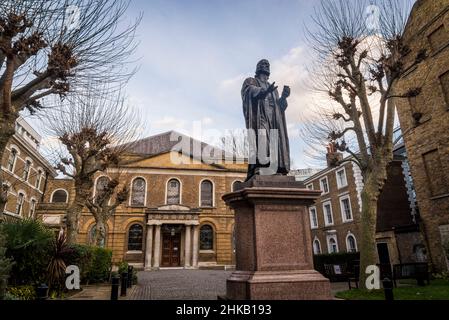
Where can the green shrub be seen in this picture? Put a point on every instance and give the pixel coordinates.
(5, 266)
(28, 244)
(122, 267)
(23, 292)
(81, 256)
(101, 265)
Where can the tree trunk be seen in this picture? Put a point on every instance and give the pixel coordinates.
(100, 233)
(73, 216)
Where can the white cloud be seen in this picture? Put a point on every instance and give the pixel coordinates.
(169, 123)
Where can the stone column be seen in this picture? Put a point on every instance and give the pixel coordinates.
(157, 247)
(195, 246)
(274, 259)
(188, 246)
(149, 248)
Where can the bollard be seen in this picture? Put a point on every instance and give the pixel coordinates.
(388, 289)
(124, 284)
(130, 276)
(42, 292)
(114, 287)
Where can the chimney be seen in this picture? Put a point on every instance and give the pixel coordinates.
(333, 157)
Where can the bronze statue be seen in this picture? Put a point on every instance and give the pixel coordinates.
(264, 110)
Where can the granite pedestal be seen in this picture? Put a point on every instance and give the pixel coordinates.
(274, 259)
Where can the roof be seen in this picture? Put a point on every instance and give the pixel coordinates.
(174, 141)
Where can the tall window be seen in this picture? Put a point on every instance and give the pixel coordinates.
(138, 192)
(173, 192)
(341, 178)
(345, 206)
(59, 196)
(333, 247)
(324, 185)
(12, 160)
(351, 244)
(316, 246)
(328, 218)
(20, 201)
(102, 184)
(32, 208)
(135, 238)
(26, 170)
(313, 218)
(206, 194)
(39, 179)
(206, 238)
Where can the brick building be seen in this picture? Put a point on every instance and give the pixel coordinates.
(175, 216)
(425, 120)
(25, 171)
(336, 216)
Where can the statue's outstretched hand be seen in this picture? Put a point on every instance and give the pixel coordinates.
(286, 92)
(272, 88)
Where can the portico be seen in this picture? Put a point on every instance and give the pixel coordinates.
(172, 237)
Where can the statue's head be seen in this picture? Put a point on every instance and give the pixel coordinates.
(263, 67)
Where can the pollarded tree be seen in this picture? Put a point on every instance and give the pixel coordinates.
(53, 47)
(101, 205)
(96, 129)
(359, 52)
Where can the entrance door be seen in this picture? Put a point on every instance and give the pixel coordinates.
(171, 250)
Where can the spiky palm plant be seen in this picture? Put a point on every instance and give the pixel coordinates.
(57, 266)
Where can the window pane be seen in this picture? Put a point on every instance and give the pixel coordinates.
(206, 238)
(135, 238)
(206, 194)
(173, 192)
(138, 192)
(59, 196)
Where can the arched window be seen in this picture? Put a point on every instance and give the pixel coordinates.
(26, 170)
(135, 238)
(207, 197)
(316, 246)
(173, 192)
(333, 248)
(39, 179)
(139, 188)
(102, 184)
(206, 238)
(351, 244)
(20, 201)
(12, 160)
(59, 196)
(33, 204)
(234, 185)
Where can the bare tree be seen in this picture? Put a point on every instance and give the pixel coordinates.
(53, 47)
(103, 204)
(96, 129)
(359, 52)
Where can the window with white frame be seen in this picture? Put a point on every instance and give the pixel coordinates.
(316, 246)
(332, 245)
(39, 179)
(19, 205)
(328, 217)
(12, 160)
(351, 243)
(324, 185)
(310, 186)
(346, 211)
(313, 218)
(342, 181)
(32, 208)
(26, 170)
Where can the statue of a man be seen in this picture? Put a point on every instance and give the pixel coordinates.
(264, 110)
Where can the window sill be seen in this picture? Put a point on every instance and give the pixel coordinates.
(134, 252)
(207, 251)
(348, 221)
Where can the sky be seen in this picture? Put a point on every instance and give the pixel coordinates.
(194, 56)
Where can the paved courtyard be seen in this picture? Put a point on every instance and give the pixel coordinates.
(173, 285)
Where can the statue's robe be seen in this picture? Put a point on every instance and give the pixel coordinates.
(263, 115)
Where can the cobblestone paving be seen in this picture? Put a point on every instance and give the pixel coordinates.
(181, 285)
